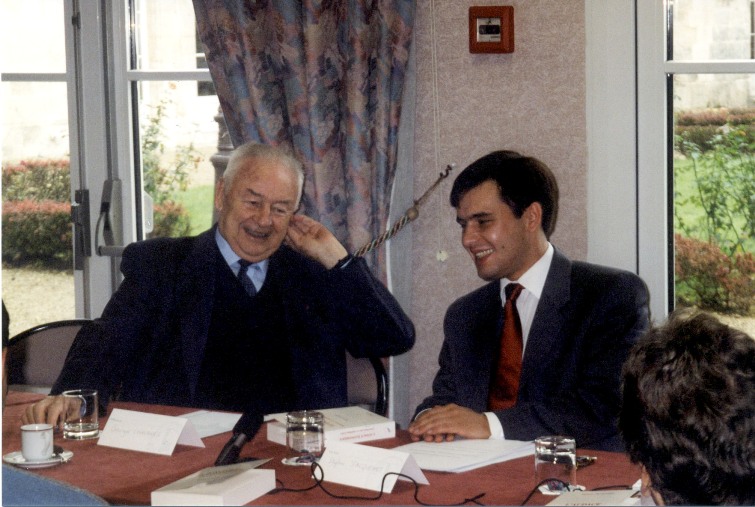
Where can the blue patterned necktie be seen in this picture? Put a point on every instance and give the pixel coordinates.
(246, 282)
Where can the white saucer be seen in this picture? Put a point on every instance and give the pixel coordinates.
(17, 459)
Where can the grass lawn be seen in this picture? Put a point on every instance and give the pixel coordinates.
(693, 215)
(198, 201)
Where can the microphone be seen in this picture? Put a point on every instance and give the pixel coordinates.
(243, 431)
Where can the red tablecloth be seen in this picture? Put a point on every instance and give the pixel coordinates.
(128, 477)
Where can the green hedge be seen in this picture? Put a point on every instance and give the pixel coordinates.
(37, 226)
(702, 126)
(37, 180)
(37, 232)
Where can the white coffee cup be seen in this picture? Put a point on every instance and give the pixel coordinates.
(36, 442)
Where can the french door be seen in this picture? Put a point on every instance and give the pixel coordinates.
(118, 89)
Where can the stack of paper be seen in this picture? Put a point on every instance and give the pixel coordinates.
(347, 424)
(461, 455)
(603, 497)
(224, 485)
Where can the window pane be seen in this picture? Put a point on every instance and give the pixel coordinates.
(32, 36)
(712, 29)
(179, 134)
(164, 35)
(37, 276)
(714, 184)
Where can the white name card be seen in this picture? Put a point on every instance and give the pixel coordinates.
(363, 466)
(153, 433)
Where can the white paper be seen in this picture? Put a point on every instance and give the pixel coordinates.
(462, 455)
(208, 423)
(153, 433)
(341, 417)
(365, 467)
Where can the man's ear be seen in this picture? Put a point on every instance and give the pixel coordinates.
(647, 487)
(219, 195)
(533, 216)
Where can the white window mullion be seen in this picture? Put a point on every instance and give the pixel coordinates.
(652, 163)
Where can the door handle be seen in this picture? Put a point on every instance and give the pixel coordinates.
(82, 246)
(109, 231)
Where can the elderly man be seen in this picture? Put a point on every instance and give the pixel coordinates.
(260, 309)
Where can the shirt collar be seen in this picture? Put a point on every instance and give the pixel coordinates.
(533, 280)
(231, 257)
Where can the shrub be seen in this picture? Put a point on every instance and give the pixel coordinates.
(700, 127)
(160, 181)
(36, 218)
(712, 280)
(37, 232)
(38, 180)
(724, 190)
(171, 219)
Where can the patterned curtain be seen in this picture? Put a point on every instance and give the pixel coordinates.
(324, 78)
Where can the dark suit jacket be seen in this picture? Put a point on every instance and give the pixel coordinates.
(586, 321)
(149, 343)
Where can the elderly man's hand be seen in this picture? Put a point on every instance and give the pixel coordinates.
(50, 410)
(309, 237)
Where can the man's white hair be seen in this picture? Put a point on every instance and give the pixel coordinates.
(252, 150)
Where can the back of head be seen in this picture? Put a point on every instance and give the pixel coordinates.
(688, 412)
(521, 181)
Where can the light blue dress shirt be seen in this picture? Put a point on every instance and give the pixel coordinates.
(256, 272)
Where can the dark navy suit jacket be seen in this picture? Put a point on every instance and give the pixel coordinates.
(587, 319)
(148, 345)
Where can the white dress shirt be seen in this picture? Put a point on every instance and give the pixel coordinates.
(533, 281)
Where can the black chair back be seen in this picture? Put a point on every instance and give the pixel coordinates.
(36, 356)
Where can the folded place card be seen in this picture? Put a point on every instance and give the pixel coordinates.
(209, 422)
(153, 433)
(366, 467)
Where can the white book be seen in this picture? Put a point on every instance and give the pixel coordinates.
(347, 424)
(604, 497)
(223, 485)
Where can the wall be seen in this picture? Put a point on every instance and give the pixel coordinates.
(532, 101)
(707, 31)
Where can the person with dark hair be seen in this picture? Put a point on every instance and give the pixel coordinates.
(259, 311)
(539, 349)
(688, 412)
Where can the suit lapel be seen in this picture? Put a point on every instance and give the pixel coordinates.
(195, 291)
(486, 339)
(549, 319)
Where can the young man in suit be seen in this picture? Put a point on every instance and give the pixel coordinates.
(259, 311)
(568, 329)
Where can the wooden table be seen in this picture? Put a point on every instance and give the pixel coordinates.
(128, 477)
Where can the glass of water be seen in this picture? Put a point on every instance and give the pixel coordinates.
(556, 458)
(304, 437)
(81, 420)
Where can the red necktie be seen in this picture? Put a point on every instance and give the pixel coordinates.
(505, 382)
